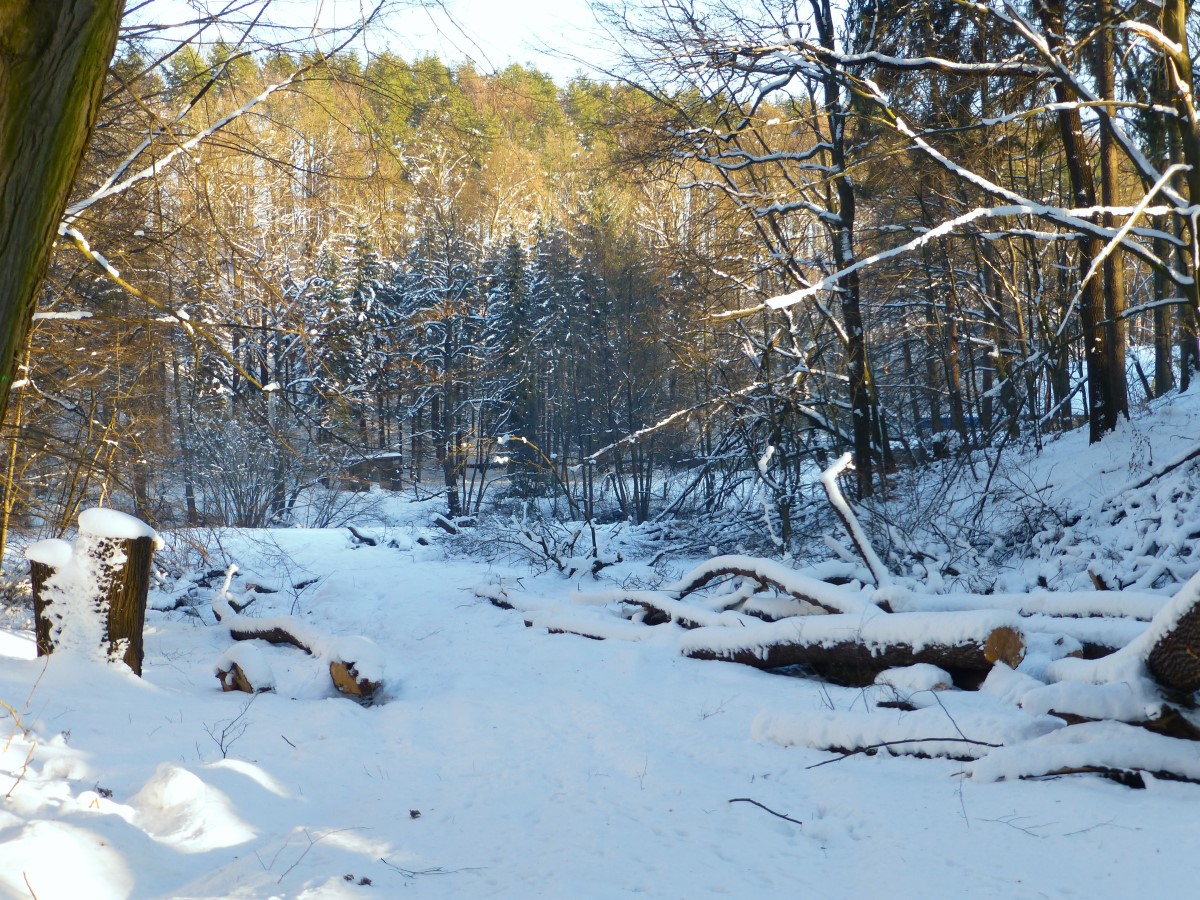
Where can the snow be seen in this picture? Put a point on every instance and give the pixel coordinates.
(252, 660)
(911, 679)
(53, 552)
(112, 523)
(503, 760)
(1105, 744)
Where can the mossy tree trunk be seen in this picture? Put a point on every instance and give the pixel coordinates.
(53, 60)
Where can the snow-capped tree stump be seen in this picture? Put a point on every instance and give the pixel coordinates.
(124, 567)
(92, 594)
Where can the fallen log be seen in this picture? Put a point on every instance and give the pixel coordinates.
(348, 680)
(1174, 659)
(249, 630)
(766, 572)
(1128, 605)
(360, 538)
(354, 666)
(852, 650)
(234, 679)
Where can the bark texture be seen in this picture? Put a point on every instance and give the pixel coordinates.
(853, 662)
(53, 61)
(42, 623)
(1175, 660)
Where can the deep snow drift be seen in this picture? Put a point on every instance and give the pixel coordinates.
(504, 761)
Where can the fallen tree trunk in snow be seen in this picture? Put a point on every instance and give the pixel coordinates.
(1174, 659)
(853, 651)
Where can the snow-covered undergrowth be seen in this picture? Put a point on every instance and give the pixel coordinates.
(507, 761)
(1124, 510)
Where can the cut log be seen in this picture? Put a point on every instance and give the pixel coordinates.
(347, 680)
(245, 668)
(852, 651)
(234, 679)
(1174, 660)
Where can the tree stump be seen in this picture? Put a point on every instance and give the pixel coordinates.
(42, 623)
(121, 590)
(104, 577)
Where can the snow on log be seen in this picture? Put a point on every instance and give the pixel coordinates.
(970, 734)
(598, 627)
(915, 678)
(1108, 748)
(829, 597)
(658, 608)
(244, 668)
(1132, 605)
(1097, 637)
(856, 648)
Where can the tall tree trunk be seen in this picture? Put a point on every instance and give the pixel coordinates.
(1083, 194)
(862, 400)
(53, 60)
(1187, 144)
(1104, 59)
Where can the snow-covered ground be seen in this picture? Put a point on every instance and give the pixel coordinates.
(506, 761)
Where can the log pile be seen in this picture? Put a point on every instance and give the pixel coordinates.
(1098, 682)
(353, 668)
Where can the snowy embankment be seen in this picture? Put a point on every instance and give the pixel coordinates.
(507, 761)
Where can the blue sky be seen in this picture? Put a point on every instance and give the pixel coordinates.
(550, 34)
(497, 32)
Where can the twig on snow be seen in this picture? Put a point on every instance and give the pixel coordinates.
(871, 748)
(766, 808)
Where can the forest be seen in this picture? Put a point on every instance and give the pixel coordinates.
(852, 342)
(918, 233)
